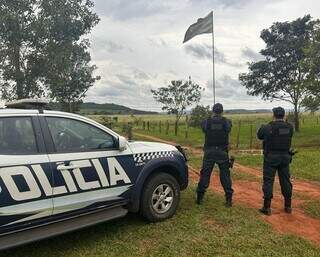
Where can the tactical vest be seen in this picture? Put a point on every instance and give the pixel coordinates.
(280, 137)
(216, 133)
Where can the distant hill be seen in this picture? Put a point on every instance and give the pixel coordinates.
(245, 111)
(115, 109)
(93, 108)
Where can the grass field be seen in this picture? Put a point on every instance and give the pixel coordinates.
(312, 207)
(208, 230)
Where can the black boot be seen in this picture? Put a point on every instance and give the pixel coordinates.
(199, 198)
(228, 203)
(287, 206)
(266, 209)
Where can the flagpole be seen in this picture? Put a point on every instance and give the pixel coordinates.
(213, 71)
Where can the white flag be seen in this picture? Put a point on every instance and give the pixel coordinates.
(202, 26)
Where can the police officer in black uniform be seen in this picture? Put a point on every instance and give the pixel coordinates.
(217, 130)
(276, 138)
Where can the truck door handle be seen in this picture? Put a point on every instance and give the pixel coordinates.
(72, 167)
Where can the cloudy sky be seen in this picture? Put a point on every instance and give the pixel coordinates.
(137, 47)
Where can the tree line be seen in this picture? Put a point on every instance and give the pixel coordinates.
(44, 51)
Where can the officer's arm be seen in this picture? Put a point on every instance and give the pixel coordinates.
(262, 132)
(204, 126)
(292, 129)
(229, 126)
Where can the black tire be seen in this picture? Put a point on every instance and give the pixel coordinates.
(147, 202)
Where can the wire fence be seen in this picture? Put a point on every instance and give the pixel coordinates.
(242, 136)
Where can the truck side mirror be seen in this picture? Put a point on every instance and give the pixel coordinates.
(122, 143)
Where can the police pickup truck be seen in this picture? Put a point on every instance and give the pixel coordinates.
(60, 172)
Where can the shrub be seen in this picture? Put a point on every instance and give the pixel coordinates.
(198, 114)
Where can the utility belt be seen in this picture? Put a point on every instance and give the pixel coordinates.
(217, 148)
(277, 152)
(231, 159)
(290, 152)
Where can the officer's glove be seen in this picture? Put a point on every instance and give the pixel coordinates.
(231, 161)
(293, 152)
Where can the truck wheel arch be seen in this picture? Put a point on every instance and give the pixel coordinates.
(164, 165)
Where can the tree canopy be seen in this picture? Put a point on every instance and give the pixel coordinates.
(280, 75)
(69, 73)
(44, 50)
(312, 81)
(19, 62)
(177, 96)
(198, 114)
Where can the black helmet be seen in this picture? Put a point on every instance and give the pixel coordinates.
(278, 112)
(217, 108)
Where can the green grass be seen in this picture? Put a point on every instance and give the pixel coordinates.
(254, 161)
(208, 230)
(312, 207)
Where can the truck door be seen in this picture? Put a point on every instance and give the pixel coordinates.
(89, 171)
(25, 174)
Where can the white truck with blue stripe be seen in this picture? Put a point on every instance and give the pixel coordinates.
(61, 172)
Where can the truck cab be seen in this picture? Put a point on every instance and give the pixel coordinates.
(60, 172)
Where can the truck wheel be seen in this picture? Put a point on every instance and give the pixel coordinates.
(160, 197)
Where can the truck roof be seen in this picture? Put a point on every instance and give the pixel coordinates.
(13, 111)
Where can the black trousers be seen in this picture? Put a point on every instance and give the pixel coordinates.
(210, 158)
(272, 164)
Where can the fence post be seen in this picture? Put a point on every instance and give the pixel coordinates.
(176, 128)
(148, 125)
(251, 135)
(167, 127)
(187, 131)
(160, 126)
(238, 135)
(130, 131)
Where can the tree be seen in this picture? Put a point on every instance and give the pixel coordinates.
(312, 81)
(44, 50)
(20, 66)
(69, 73)
(177, 96)
(280, 76)
(198, 114)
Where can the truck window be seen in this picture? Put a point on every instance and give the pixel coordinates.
(76, 136)
(17, 136)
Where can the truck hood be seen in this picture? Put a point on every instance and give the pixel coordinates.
(145, 147)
